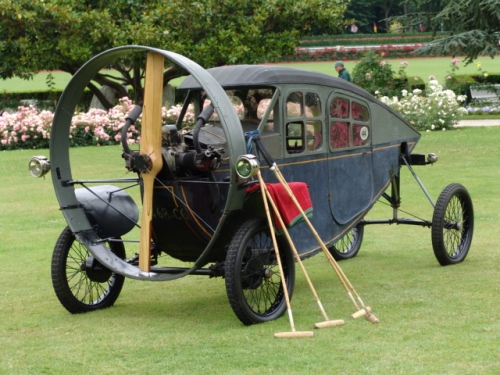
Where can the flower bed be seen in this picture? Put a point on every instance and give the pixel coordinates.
(352, 53)
(29, 128)
(485, 110)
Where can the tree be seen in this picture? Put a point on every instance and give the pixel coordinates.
(366, 12)
(64, 34)
(474, 27)
(417, 13)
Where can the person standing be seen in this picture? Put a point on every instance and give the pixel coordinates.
(342, 71)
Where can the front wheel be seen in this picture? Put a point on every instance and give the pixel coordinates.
(452, 225)
(349, 244)
(254, 283)
(81, 283)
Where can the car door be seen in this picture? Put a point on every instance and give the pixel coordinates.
(350, 165)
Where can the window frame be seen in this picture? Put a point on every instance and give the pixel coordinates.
(352, 123)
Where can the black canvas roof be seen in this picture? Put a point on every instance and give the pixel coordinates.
(233, 76)
(265, 75)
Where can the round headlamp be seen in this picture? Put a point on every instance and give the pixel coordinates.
(39, 166)
(247, 166)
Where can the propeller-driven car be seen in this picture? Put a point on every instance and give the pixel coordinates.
(201, 212)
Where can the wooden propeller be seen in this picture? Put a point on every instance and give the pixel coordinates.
(150, 149)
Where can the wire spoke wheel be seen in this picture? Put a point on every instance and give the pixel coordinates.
(254, 283)
(452, 225)
(349, 244)
(81, 283)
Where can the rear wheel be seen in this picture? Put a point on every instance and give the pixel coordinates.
(81, 283)
(348, 245)
(254, 283)
(452, 225)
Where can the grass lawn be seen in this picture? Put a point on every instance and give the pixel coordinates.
(438, 67)
(434, 320)
(422, 67)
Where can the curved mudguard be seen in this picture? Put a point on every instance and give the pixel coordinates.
(109, 209)
(62, 179)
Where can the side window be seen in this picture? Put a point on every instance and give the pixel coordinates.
(339, 134)
(294, 105)
(261, 110)
(304, 130)
(237, 104)
(349, 123)
(360, 131)
(314, 134)
(339, 108)
(295, 137)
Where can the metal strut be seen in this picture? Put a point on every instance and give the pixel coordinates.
(419, 182)
(395, 201)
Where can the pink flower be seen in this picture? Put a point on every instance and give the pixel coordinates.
(4, 142)
(416, 78)
(382, 63)
(455, 62)
(24, 137)
(432, 78)
(404, 63)
(368, 75)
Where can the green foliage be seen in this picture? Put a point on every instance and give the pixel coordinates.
(460, 83)
(64, 34)
(474, 27)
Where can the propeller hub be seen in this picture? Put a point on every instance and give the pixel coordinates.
(142, 163)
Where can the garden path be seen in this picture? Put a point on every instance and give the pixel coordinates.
(485, 122)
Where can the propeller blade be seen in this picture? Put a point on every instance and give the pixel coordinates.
(150, 149)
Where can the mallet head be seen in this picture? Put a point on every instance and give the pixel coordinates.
(329, 323)
(294, 335)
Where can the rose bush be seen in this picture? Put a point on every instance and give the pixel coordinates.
(29, 128)
(438, 109)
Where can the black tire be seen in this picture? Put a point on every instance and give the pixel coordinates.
(81, 283)
(348, 245)
(452, 225)
(253, 279)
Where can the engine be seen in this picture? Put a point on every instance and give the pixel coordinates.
(181, 154)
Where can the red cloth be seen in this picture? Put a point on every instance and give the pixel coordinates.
(286, 207)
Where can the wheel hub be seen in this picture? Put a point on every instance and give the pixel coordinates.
(95, 270)
(457, 225)
(268, 273)
(252, 274)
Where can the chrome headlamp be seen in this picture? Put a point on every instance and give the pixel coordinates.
(38, 166)
(247, 166)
